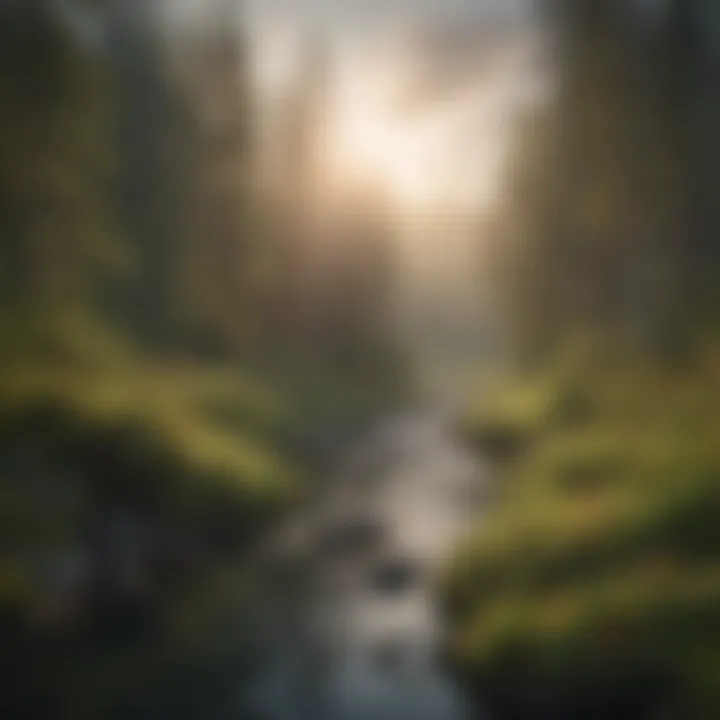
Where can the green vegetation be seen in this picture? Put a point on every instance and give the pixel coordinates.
(595, 586)
(169, 379)
(593, 590)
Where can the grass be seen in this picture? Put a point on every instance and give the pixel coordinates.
(603, 561)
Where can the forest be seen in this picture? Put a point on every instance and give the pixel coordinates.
(169, 364)
(593, 590)
(194, 321)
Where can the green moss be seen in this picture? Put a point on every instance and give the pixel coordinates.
(603, 561)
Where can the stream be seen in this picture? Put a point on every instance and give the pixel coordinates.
(353, 630)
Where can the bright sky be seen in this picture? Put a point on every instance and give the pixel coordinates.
(352, 16)
(446, 153)
(451, 151)
(443, 161)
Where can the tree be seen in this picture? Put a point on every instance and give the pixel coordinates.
(606, 187)
(214, 174)
(147, 117)
(59, 243)
(186, 181)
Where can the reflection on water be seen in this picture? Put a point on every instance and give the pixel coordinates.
(366, 641)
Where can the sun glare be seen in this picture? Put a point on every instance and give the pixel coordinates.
(371, 147)
(419, 156)
(444, 154)
(369, 143)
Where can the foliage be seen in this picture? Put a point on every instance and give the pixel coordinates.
(593, 591)
(59, 241)
(610, 227)
(156, 385)
(594, 588)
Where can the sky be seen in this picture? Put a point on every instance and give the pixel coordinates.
(442, 161)
(354, 16)
(485, 70)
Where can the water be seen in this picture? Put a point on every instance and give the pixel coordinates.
(355, 632)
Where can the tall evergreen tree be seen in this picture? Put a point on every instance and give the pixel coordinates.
(215, 178)
(58, 240)
(185, 130)
(611, 205)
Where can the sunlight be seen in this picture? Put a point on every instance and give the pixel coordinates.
(368, 145)
(274, 58)
(409, 157)
(419, 156)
